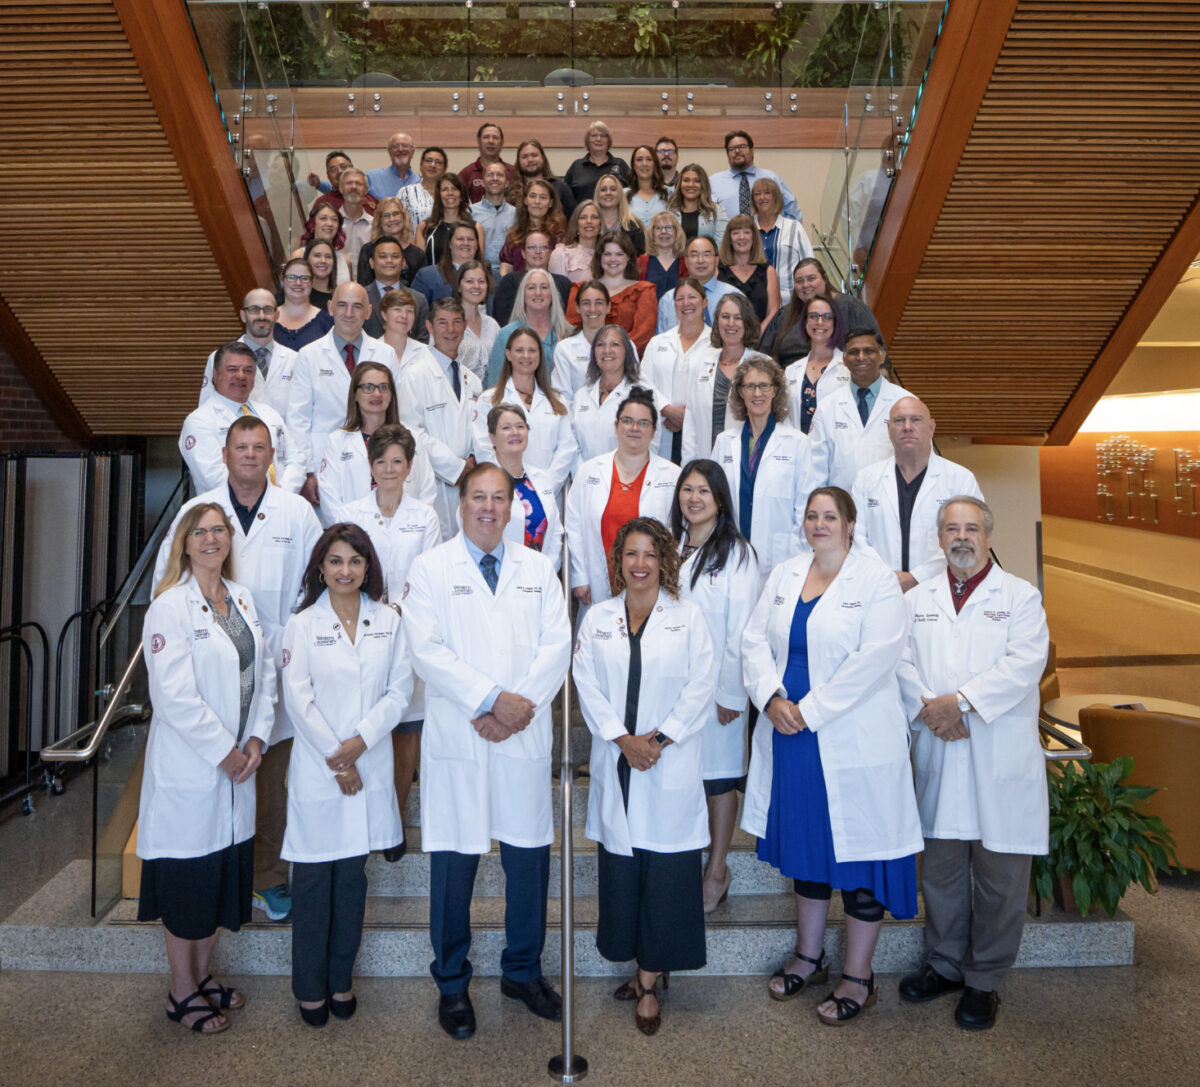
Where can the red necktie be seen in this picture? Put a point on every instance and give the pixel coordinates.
(350, 358)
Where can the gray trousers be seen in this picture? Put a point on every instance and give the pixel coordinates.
(973, 933)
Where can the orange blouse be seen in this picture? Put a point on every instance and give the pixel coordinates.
(635, 309)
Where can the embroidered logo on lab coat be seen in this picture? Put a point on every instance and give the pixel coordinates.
(158, 643)
(872, 503)
(997, 616)
(461, 590)
(189, 442)
(287, 657)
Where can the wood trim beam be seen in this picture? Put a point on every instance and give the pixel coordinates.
(1168, 270)
(971, 40)
(168, 56)
(33, 368)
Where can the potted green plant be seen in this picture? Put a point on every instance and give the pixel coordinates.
(1101, 838)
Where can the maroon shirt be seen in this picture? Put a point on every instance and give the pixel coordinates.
(968, 586)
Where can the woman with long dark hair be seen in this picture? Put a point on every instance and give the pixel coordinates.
(450, 208)
(539, 209)
(720, 576)
(821, 372)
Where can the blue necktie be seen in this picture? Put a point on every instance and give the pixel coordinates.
(864, 410)
(457, 383)
(487, 566)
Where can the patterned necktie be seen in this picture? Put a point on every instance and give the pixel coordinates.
(487, 565)
(350, 358)
(261, 353)
(864, 410)
(456, 381)
(744, 195)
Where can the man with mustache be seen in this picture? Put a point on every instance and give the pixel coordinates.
(969, 677)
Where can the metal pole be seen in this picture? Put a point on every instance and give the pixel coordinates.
(567, 1066)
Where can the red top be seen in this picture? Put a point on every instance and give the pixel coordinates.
(635, 309)
(623, 505)
(968, 587)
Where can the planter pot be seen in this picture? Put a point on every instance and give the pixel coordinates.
(1064, 894)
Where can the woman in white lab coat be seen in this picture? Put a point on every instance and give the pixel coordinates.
(535, 520)
(212, 683)
(643, 668)
(346, 680)
(819, 373)
(766, 462)
(569, 373)
(830, 792)
(345, 472)
(612, 488)
(400, 528)
(612, 371)
(735, 332)
(719, 575)
(524, 380)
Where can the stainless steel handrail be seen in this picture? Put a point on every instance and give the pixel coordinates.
(567, 1066)
(63, 751)
(1072, 748)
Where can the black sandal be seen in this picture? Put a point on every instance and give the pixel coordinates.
(228, 999)
(183, 1008)
(847, 1006)
(794, 984)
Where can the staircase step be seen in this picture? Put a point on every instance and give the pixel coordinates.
(747, 935)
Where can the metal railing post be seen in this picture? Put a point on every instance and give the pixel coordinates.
(567, 1066)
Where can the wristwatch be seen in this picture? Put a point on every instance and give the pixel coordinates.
(963, 705)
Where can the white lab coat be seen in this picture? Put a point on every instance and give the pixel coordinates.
(586, 501)
(841, 446)
(465, 641)
(411, 530)
(667, 810)
(552, 448)
(269, 561)
(333, 689)
(320, 389)
(698, 438)
(345, 475)
(781, 490)
(272, 389)
(188, 806)
(834, 376)
(878, 507)
(990, 787)
(569, 372)
(856, 634)
(726, 600)
(595, 424)
(203, 437)
(427, 404)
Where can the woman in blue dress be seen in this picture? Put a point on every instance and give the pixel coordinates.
(830, 794)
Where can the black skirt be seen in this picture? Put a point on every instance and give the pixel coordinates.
(195, 896)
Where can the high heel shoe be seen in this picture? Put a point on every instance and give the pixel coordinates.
(847, 1006)
(647, 1024)
(713, 899)
(795, 984)
(627, 989)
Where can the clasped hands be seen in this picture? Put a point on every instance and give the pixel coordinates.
(785, 716)
(942, 717)
(510, 713)
(342, 763)
(641, 752)
(239, 765)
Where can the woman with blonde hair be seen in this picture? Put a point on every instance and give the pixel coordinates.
(615, 213)
(538, 307)
(573, 257)
(390, 221)
(785, 243)
(212, 685)
(662, 264)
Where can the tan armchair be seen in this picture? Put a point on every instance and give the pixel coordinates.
(1165, 748)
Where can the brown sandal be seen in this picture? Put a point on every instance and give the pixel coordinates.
(627, 991)
(647, 1024)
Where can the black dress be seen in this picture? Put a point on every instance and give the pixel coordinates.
(754, 288)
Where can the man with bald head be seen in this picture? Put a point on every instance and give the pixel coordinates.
(898, 498)
(389, 180)
(273, 361)
(320, 384)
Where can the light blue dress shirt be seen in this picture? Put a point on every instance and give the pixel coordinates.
(477, 554)
(727, 184)
(386, 181)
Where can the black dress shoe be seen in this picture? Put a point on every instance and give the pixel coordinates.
(315, 1017)
(343, 1009)
(536, 995)
(395, 852)
(926, 984)
(456, 1016)
(976, 1009)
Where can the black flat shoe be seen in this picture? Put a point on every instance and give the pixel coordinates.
(926, 984)
(456, 1016)
(393, 854)
(976, 1009)
(315, 1017)
(536, 995)
(343, 1009)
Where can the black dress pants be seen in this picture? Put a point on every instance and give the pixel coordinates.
(329, 900)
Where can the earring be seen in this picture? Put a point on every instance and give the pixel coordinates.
(320, 577)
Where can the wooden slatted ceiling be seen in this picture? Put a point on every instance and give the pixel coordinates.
(107, 268)
(1081, 164)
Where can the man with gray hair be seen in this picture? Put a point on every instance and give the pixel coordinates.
(969, 678)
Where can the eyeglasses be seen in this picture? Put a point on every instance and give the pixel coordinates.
(737, 147)
(821, 318)
(256, 311)
(297, 279)
(630, 421)
(371, 387)
(218, 532)
(758, 386)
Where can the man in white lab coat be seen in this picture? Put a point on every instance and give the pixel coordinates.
(898, 499)
(202, 438)
(849, 428)
(273, 362)
(274, 532)
(488, 631)
(969, 677)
